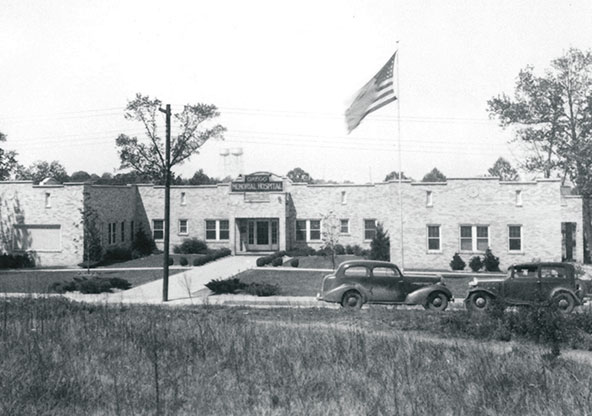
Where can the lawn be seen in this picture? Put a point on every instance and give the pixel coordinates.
(154, 260)
(308, 283)
(321, 262)
(64, 358)
(36, 281)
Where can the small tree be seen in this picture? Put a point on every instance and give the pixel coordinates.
(434, 176)
(8, 163)
(394, 175)
(457, 262)
(93, 251)
(380, 247)
(490, 262)
(476, 264)
(299, 175)
(504, 170)
(330, 235)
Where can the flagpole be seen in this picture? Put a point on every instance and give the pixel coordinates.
(402, 265)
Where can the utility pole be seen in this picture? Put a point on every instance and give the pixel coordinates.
(167, 204)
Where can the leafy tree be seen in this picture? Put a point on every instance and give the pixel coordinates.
(330, 234)
(93, 251)
(200, 178)
(552, 115)
(504, 170)
(147, 156)
(380, 247)
(8, 163)
(42, 169)
(80, 176)
(394, 175)
(434, 176)
(299, 175)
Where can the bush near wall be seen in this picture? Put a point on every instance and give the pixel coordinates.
(476, 264)
(191, 246)
(265, 260)
(211, 256)
(16, 261)
(457, 262)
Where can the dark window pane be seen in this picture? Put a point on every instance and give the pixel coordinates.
(434, 231)
(515, 244)
(514, 231)
(433, 244)
(466, 231)
(482, 232)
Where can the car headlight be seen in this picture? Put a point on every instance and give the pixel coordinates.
(473, 282)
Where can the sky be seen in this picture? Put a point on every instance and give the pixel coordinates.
(282, 74)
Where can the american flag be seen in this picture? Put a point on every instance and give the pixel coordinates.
(377, 93)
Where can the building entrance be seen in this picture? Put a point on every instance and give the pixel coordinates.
(259, 234)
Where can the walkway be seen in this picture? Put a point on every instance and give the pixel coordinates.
(183, 287)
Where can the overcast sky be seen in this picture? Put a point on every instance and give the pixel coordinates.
(282, 74)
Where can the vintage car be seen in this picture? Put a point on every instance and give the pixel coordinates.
(357, 282)
(528, 284)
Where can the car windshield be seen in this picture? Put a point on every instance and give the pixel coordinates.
(521, 272)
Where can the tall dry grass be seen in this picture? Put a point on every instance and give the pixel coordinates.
(63, 358)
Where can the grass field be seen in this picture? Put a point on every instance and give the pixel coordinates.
(63, 358)
(35, 281)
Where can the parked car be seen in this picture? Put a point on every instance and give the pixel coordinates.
(357, 282)
(528, 284)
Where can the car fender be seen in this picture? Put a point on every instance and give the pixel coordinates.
(558, 290)
(420, 296)
(478, 289)
(336, 294)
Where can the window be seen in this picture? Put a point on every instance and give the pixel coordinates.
(356, 271)
(301, 230)
(344, 226)
(131, 230)
(217, 229)
(183, 198)
(183, 230)
(515, 238)
(210, 230)
(384, 272)
(122, 231)
(518, 198)
(47, 200)
(158, 229)
(111, 232)
(308, 230)
(429, 199)
(474, 237)
(553, 272)
(525, 272)
(369, 229)
(343, 197)
(315, 230)
(433, 238)
(224, 233)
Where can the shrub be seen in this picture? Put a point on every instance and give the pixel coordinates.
(278, 261)
(476, 264)
(260, 262)
(191, 246)
(171, 261)
(143, 243)
(116, 254)
(357, 250)
(16, 261)
(262, 289)
(457, 263)
(380, 247)
(183, 261)
(349, 249)
(490, 262)
(91, 284)
(222, 286)
(211, 256)
(294, 262)
(339, 249)
(198, 261)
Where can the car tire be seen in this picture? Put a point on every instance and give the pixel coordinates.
(352, 300)
(564, 302)
(437, 301)
(479, 302)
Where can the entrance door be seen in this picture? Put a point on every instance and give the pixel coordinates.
(568, 236)
(262, 235)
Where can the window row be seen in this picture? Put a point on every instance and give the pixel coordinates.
(474, 238)
(310, 230)
(113, 231)
(216, 230)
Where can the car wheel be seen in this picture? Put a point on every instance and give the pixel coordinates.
(479, 302)
(564, 302)
(436, 302)
(352, 300)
